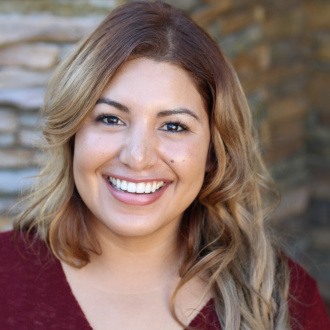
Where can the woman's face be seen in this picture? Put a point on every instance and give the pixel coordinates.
(141, 155)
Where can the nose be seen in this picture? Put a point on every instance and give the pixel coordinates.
(139, 149)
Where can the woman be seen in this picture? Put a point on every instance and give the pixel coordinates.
(150, 196)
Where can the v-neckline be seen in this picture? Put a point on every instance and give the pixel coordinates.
(80, 312)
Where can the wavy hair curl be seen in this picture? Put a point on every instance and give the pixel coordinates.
(224, 232)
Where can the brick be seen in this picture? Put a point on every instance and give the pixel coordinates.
(66, 50)
(15, 181)
(276, 75)
(6, 204)
(207, 14)
(293, 202)
(324, 117)
(236, 21)
(32, 56)
(318, 15)
(186, 5)
(320, 186)
(281, 151)
(245, 66)
(319, 138)
(249, 64)
(29, 137)
(15, 78)
(38, 27)
(287, 132)
(323, 51)
(106, 3)
(320, 239)
(288, 24)
(65, 7)
(289, 50)
(318, 89)
(8, 122)
(264, 132)
(289, 109)
(17, 158)
(242, 42)
(6, 223)
(23, 98)
(7, 139)
(30, 119)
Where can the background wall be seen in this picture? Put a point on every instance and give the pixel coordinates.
(281, 50)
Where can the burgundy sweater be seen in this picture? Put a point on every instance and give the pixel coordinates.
(34, 293)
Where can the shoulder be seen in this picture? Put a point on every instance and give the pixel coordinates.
(25, 260)
(307, 310)
(26, 265)
(19, 249)
(33, 288)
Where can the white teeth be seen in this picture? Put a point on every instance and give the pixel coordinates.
(140, 188)
(123, 185)
(154, 186)
(131, 187)
(148, 188)
(136, 188)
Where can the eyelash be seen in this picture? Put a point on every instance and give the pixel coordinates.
(118, 122)
(102, 118)
(183, 128)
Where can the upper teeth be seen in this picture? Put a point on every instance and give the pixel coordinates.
(138, 188)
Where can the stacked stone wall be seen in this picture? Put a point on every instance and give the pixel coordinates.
(281, 52)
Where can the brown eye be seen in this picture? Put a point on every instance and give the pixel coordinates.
(110, 120)
(174, 127)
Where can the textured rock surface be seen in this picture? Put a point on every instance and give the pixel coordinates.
(282, 55)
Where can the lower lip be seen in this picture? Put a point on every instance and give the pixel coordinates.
(136, 199)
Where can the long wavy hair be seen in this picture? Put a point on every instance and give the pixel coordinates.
(224, 232)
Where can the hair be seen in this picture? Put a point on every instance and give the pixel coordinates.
(224, 232)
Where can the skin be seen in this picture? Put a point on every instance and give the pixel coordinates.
(150, 124)
(144, 142)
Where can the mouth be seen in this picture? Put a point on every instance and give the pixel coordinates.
(135, 187)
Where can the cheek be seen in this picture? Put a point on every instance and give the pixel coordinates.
(187, 158)
(89, 152)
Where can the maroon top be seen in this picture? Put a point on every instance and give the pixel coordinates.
(34, 293)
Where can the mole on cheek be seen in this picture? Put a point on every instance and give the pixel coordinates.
(172, 160)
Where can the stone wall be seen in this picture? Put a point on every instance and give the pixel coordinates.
(281, 52)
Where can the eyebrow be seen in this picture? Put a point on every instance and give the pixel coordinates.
(112, 103)
(177, 111)
(163, 113)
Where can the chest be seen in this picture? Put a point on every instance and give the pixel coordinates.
(113, 311)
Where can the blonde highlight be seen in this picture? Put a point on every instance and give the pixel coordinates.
(224, 233)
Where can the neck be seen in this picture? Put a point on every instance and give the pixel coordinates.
(132, 265)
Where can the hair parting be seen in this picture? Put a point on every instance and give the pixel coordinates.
(224, 233)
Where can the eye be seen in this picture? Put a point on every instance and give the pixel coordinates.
(109, 120)
(174, 127)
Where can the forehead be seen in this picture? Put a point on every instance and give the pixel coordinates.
(146, 68)
(153, 80)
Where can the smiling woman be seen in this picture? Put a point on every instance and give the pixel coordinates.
(122, 153)
(151, 208)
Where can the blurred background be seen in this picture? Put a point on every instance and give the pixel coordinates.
(281, 51)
